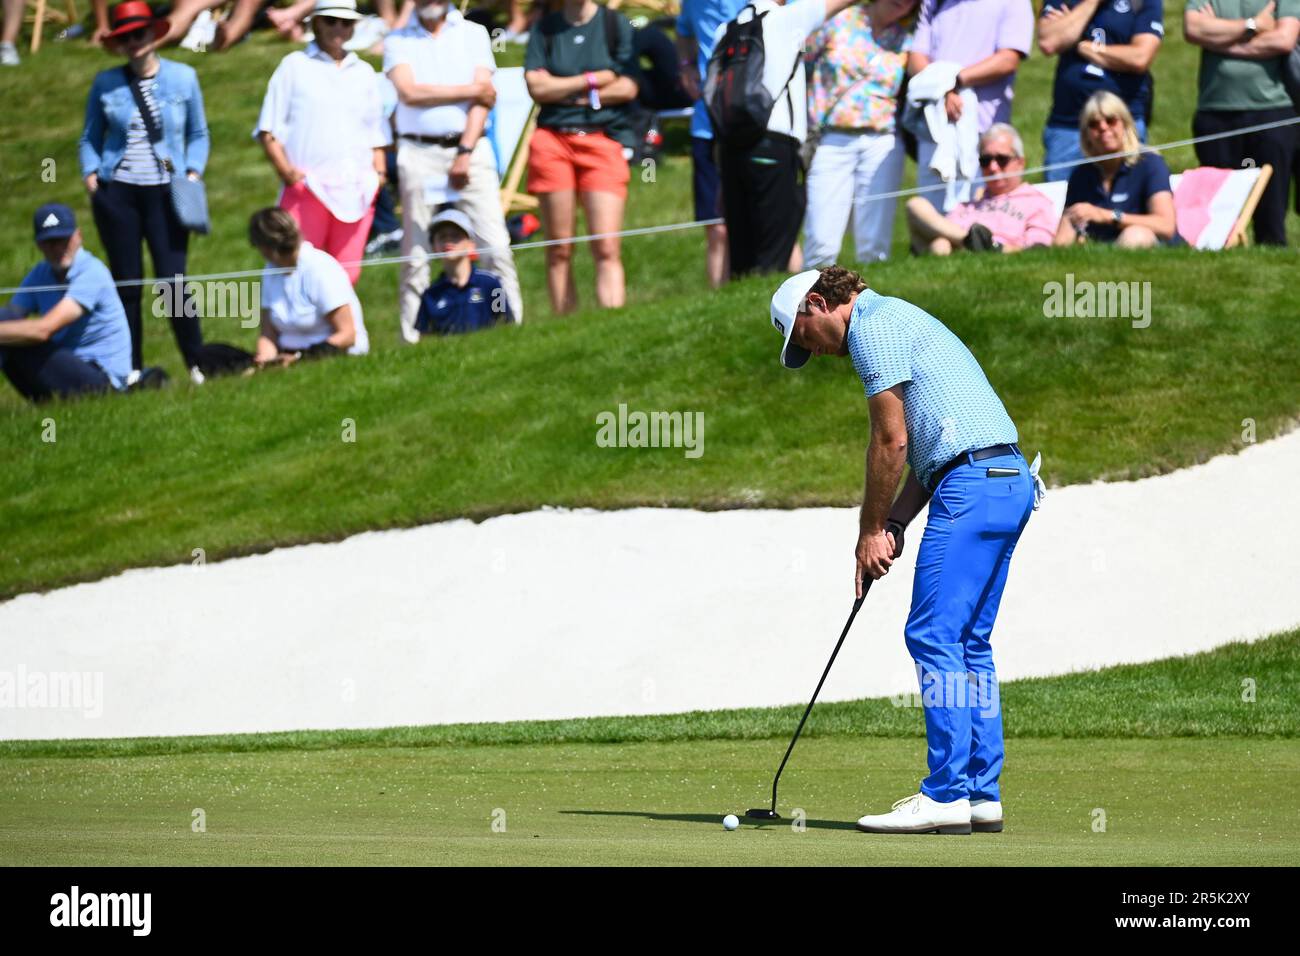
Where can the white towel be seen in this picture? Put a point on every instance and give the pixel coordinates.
(1040, 489)
(956, 154)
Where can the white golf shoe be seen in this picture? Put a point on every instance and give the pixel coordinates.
(919, 814)
(986, 816)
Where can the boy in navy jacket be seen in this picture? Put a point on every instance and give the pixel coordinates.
(463, 298)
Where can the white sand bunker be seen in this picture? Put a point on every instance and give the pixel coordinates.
(583, 613)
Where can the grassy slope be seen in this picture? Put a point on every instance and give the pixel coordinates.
(505, 421)
(1199, 695)
(652, 790)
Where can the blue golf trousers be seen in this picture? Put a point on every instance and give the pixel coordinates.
(974, 523)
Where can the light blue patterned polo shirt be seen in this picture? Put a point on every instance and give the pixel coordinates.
(948, 403)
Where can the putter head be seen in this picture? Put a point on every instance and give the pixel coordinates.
(762, 815)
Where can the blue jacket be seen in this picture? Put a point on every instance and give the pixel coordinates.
(109, 109)
(447, 309)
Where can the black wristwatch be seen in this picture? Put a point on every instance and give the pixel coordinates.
(462, 149)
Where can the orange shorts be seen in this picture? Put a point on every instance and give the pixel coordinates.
(587, 162)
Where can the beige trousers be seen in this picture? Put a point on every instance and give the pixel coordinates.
(480, 200)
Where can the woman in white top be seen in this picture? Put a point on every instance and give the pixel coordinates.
(310, 310)
(322, 126)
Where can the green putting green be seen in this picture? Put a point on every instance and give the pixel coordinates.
(1161, 802)
(1174, 762)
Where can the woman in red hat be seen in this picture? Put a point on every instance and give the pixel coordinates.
(144, 126)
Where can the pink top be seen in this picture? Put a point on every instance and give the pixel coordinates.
(1020, 218)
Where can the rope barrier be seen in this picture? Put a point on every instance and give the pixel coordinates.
(667, 227)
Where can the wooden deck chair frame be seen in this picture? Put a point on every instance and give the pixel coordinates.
(1238, 236)
(41, 11)
(512, 200)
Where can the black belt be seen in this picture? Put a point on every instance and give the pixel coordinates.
(575, 130)
(449, 141)
(993, 451)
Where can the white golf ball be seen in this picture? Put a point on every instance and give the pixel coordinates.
(730, 821)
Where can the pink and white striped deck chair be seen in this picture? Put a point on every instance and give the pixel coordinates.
(1213, 206)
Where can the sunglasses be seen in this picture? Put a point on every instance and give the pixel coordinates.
(335, 22)
(1002, 159)
(134, 36)
(1097, 122)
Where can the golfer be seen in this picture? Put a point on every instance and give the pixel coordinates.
(931, 407)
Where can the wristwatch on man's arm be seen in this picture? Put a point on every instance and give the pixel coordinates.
(1251, 27)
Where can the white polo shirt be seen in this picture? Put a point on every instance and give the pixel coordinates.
(785, 28)
(329, 118)
(298, 301)
(447, 58)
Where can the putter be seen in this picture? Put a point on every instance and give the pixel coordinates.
(772, 814)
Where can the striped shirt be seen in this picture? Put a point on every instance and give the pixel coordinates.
(140, 165)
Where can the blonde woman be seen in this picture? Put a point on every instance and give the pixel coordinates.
(1124, 198)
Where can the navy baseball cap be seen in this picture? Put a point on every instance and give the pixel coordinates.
(54, 221)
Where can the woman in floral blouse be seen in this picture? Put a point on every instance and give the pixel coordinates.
(859, 60)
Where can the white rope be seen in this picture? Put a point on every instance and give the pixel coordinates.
(669, 227)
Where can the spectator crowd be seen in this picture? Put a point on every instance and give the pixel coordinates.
(807, 140)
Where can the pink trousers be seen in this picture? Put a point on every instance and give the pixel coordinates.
(345, 241)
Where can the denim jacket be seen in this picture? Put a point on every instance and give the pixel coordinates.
(111, 105)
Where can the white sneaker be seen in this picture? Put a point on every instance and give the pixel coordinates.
(384, 242)
(9, 55)
(985, 816)
(919, 814)
(197, 376)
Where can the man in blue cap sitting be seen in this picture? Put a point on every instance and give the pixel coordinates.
(64, 333)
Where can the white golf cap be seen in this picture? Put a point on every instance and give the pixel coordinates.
(454, 217)
(787, 302)
(338, 9)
